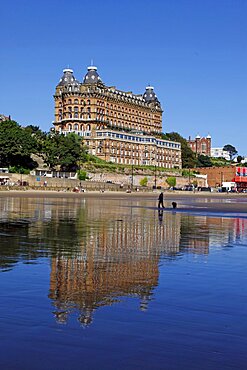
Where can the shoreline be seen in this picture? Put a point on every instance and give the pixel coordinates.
(131, 194)
(190, 202)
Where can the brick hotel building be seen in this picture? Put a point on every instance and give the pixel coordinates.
(117, 126)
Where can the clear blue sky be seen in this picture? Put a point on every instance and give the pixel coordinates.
(194, 52)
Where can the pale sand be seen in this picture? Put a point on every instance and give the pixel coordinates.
(187, 201)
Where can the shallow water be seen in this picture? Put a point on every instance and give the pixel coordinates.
(97, 283)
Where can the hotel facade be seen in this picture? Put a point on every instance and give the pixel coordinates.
(117, 126)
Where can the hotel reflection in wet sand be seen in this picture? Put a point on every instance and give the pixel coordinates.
(123, 260)
(116, 261)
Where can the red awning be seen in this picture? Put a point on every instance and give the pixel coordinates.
(239, 179)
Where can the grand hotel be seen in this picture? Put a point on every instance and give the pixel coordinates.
(117, 126)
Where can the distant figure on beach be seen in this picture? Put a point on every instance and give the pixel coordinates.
(160, 199)
(174, 205)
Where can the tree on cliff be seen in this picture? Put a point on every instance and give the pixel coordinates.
(203, 161)
(231, 150)
(65, 151)
(16, 146)
(188, 156)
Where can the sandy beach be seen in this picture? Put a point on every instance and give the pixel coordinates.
(187, 201)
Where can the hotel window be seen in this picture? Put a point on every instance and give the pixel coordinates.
(76, 101)
(69, 101)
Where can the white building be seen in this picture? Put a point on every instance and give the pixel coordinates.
(220, 153)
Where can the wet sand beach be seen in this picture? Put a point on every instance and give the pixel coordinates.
(186, 201)
(85, 275)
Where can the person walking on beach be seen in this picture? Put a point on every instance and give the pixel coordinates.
(160, 199)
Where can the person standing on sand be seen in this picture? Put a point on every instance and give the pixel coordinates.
(160, 199)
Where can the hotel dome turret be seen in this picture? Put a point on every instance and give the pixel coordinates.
(68, 78)
(149, 95)
(92, 76)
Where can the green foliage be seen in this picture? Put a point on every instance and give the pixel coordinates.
(16, 146)
(144, 181)
(66, 151)
(171, 181)
(82, 175)
(188, 156)
(18, 169)
(220, 162)
(239, 158)
(38, 135)
(203, 161)
(231, 149)
(186, 173)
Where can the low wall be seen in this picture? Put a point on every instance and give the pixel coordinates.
(98, 181)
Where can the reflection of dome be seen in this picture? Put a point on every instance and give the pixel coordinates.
(149, 95)
(92, 76)
(68, 78)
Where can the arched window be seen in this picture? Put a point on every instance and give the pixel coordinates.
(88, 127)
(69, 127)
(76, 115)
(82, 128)
(204, 147)
(70, 101)
(76, 101)
(88, 102)
(76, 127)
(60, 104)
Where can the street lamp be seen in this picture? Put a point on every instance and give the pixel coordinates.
(155, 178)
(132, 176)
